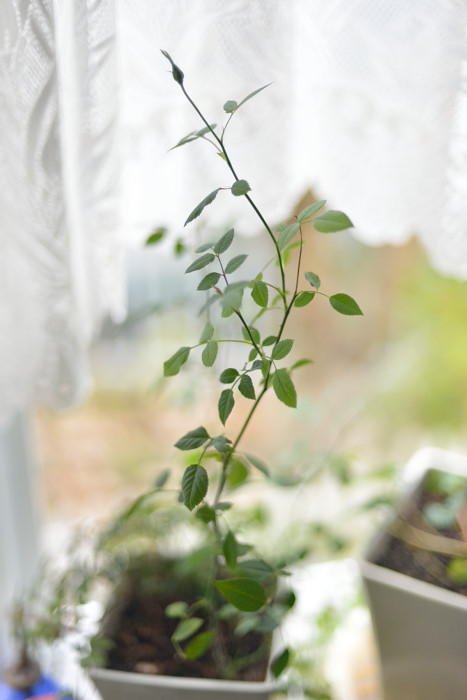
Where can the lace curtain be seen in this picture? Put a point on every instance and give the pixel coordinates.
(367, 106)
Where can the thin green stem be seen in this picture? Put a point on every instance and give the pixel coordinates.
(232, 170)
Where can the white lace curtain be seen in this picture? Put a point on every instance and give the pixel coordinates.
(367, 106)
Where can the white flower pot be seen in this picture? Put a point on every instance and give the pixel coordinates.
(421, 629)
(119, 685)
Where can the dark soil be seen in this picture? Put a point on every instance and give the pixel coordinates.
(140, 634)
(415, 562)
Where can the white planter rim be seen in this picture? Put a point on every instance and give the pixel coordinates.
(183, 682)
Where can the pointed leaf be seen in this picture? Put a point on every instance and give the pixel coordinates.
(228, 376)
(194, 485)
(193, 439)
(224, 242)
(226, 404)
(301, 363)
(229, 550)
(252, 332)
(284, 388)
(313, 279)
(162, 479)
(270, 340)
(156, 236)
(304, 298)
(206, 514)
(255, 568)
(173, 364)
(201, 262)
(345, 305)
(208, 332)
(230, 106)
(258, 464)
(280, 663)
(235, 263)
(281, 227)
(199, 645)
(331, 222)
(209, 353)
(244, 594)
(246, 387)
(240, 187)
(282, 349)
(287, 235)
(186, 628)
(204, 247)
(199, 208)
(221, 444)
(237, 474)
(252, 94)
(208, 282)
(310, 210)
(260, 294)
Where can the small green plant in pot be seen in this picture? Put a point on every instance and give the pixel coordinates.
(220, 626)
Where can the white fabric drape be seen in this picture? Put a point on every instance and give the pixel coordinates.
(368, 106)
(58, 218)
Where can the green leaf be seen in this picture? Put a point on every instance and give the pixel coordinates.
(230, 106)
(186, 628)
(301, 363)
(235, 263)
(331, 222)
(177, 609)
(221, 444)
(237, 473)
(287, 235)
(224, 242)
(304, 298)
(260, 294)
(199, 645)
(194, 485)
(313, 279)
(457, 570)
(205, 514)
(210, 301)
(179, 247)
(282, 349)
(201, 262)
(162, 479)
(345, 305)
(229, 550)
(254, 333)
(229, 375)
(204, 247)
(252, 355)
(255, 568)
(209, 281)
(240, 187)
(156, 236)
(252, 94)
(199, 208)
(208, 332)
(244, 594)
(209, 354)
(173, 364)
(280, 663)
(284, 388)
(258, 464)
(281, 227)
(193, 439)
(270, 340)
(232, 299)
(310, 210)
(246, 387)
(206, 130)
(226, 404)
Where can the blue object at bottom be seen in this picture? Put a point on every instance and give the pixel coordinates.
(44, 687)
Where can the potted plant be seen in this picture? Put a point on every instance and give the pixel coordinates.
(415, 575)
(219, 600)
